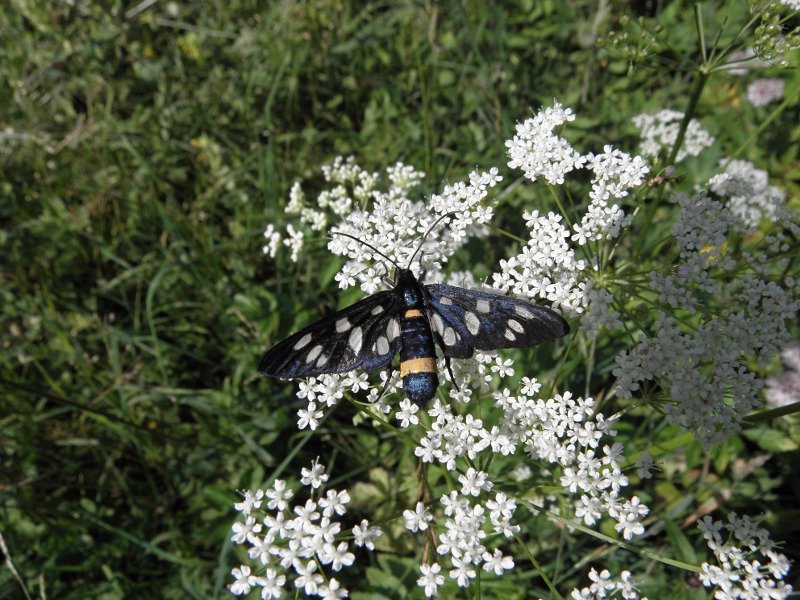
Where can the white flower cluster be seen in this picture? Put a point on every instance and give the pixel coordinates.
(741, 571)
(274, 241)
(353, 187)
(701, 368)
(394, 224)
(750, 196)
(539, 152)
(615, 172)
(660, 132)
(604, 586)
(326, 390)
(563, 430)
(547, 267)
(566, 431)
(295, 546)
(465, 530)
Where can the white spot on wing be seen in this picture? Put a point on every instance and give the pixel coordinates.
(523, 312)
(393, 330)
(355, 339)
(516, 326)
(383, 346)
(312, 356)
(438, 324)
(302, 342)
(510, 335)
(473, 323)
(449, 336)
(483, 306)
(322, 360)
(342, 325)
(377, 310)
(446, 301)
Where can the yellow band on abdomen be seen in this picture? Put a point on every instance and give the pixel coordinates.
(417, 365)
(413, 313)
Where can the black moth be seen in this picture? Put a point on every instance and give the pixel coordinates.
(408, 320)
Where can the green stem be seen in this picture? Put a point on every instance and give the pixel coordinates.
(694, 98)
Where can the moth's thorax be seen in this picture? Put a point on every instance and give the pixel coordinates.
(409, 289)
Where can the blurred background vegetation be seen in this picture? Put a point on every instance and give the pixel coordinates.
(143, 150)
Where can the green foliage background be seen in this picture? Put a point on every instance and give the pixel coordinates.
(144, 148)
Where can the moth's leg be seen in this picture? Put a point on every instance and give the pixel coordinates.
(389, 370)
(385, 277)
(440, 343)
(449, 370)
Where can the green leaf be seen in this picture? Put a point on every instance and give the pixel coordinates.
(770, 440)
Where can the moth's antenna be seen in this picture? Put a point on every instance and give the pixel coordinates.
(431, 228)
(363, 243)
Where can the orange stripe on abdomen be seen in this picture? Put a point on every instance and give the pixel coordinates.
(417, 365)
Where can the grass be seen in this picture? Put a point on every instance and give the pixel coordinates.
(145, 148)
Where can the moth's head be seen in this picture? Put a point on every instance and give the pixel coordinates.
(405, 277)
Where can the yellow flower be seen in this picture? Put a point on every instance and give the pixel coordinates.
(714, 252)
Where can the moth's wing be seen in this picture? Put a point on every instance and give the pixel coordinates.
(465, 320)
(365, 335)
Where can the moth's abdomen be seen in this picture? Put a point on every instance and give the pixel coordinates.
(418, 357)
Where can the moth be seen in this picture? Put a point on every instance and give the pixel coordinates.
(410, 320)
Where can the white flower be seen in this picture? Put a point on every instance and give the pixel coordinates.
(431, 579)
(783, 389)
(428, 448)
(643, 465)
(462, 572)
(629, 518)
(417, 519)
(702, 368)
(245, 531)
(278, 495)
(251, 500)
(336, 556)
(497, 562)
(315, 476)
(272, 584)
(332, 591)
(244, 581)
(474, 482)
(407, 415)
(309, 417)
(365, 535)
(308, 578)
(615, 172)
(334, 502)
